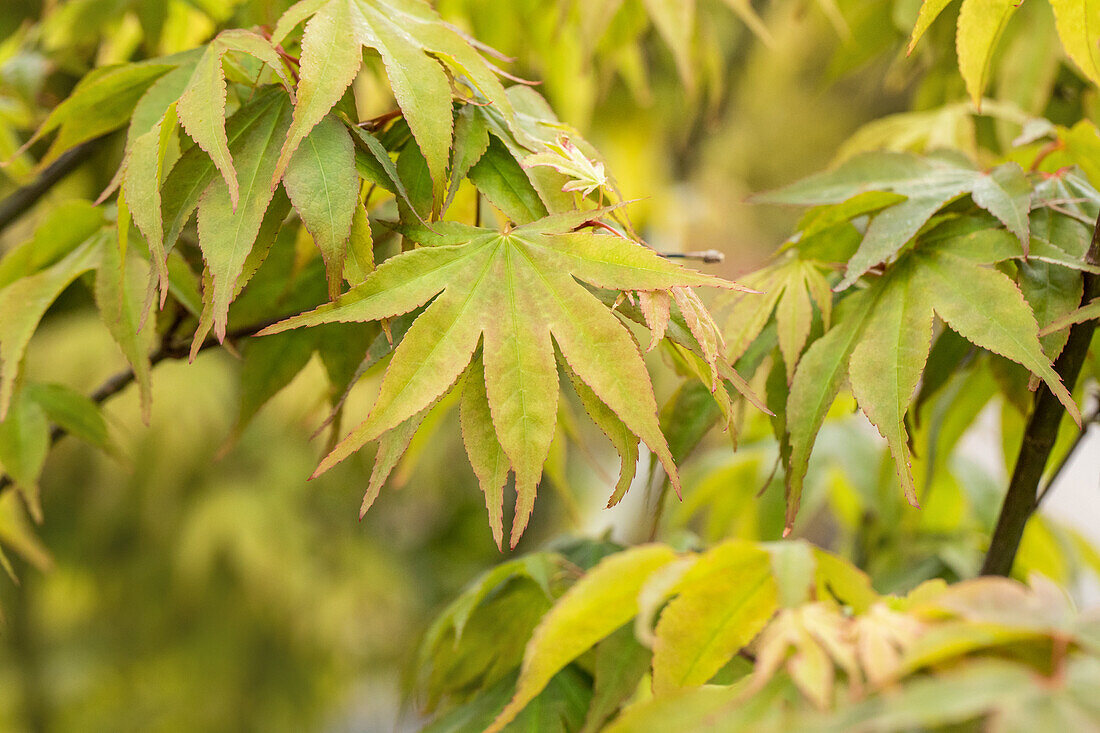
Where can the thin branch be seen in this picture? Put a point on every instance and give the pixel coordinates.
(1022, 498)
(168, 350)
(21, 201)
(709, 256)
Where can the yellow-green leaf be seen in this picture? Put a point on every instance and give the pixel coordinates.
(724, 601)
(598, 604)
(1078, 23)
(981, 23)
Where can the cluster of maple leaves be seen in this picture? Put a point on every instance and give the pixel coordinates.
(243, 132)
(254, 128)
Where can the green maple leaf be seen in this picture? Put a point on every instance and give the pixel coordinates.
(883, 336)
(928, 184)
(321, 182)
(417, 51)
(517, 293)
(790, 288)
(102, 102)
(201, 108)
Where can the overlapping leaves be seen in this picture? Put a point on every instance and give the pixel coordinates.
(935, 263)
(928, 185)
(418, 52)
(982, 22)
(669, 632)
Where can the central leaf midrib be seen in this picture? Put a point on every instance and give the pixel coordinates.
(761, 580)
(510, 284)
(252, 186)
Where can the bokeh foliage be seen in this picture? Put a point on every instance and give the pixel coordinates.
(185, 575)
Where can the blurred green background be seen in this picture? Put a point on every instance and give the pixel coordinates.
(198, 581)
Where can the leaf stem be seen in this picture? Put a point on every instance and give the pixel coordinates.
(1021, 500)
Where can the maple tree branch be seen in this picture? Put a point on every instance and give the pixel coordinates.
(20, 202)
(1021, 500)
(169, 349)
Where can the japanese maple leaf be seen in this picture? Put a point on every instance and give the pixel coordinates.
(417, 49)
(516, 293)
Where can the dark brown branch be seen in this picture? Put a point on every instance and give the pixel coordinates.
(1021, 500)
(21, 201)
(168, 350)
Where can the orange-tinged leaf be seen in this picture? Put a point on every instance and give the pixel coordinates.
(201, 108)
(415, 47)
(330, 60)
(144, 171)
(521, 379)
(518, 291)
(227, 232)
(654, 305)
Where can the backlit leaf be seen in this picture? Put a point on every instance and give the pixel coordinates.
(1079, 29)
(143, 172)
(201, 108)
(724, 600)
(415, 47)
(929, 11)
(517, 289)
(981, 23)
(598, 604)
